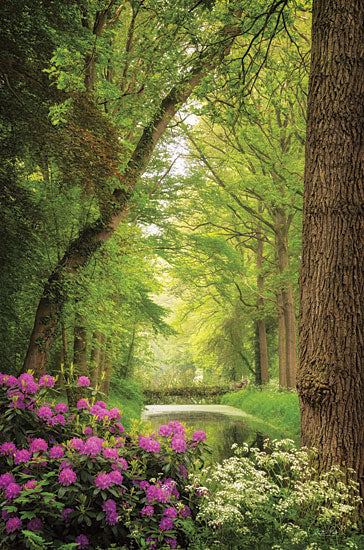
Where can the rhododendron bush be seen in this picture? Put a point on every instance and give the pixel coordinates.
(73, 478)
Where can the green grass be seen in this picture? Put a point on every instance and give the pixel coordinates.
(276, 410)
(127, 396)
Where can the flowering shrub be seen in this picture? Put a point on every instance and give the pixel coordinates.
(275, 499)
(72, 478)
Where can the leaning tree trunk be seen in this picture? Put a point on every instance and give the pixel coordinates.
(96, 234)
(330, 376)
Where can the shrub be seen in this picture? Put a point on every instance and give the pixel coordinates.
(275, 499)
(72, 478)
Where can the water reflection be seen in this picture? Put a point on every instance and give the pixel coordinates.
(221, 430)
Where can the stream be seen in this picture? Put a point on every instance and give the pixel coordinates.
(224, 425)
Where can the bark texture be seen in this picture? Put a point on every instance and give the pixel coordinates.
(330, 375)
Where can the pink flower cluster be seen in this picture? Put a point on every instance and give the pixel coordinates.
(149, 444)
(109, 507)
(161, 492)
(104, 481)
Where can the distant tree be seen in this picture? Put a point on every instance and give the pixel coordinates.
(112, 68)
(331, 369)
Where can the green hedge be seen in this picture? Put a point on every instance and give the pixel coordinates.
(277, 408)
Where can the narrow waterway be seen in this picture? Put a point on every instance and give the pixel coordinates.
(223, 425)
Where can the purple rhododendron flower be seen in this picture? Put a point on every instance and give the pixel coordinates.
(13, 524)
(31, 484)
(93, 445)
(165, 430)
(88, 430)
(149, 444)
(83, 381)
(35, 524)
(114, 413)
(8, 449)
(13, 490)
(119, 427)
(27, 384)
(166, 524)
(185, 511)
(22, 456)
(161, 494)
(83, 404)
(66, 512)
(19, 403)
(112, 518)
(109, 505)
(144, 485)
(147, 511)
(5, 515)
(177, 427)
(47, 381)
(66, 477)
(102, 481)
(123, 463)
(5, 480)
(38, 444)
(76, 443)
(10, 380)
(111, 453)
(172, 543)
(82, 541)
(99, 412)
(198, 436)
(183, 470)
(58, 419)
(101, 404)
(56, 451)
(45, 412)
(116, 477)
(170, 512)
(178, 443)
(152, 541)
(61, 408)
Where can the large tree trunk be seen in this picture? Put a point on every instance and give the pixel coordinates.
(330, 375)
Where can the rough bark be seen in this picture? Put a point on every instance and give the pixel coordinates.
(94, 235)
(330, 375)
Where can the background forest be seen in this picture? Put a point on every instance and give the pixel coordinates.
(212, 229)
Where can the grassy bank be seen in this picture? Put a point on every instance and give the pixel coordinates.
(126, 395)
(277, 411)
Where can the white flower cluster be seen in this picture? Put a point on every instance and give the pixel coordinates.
(276, 499)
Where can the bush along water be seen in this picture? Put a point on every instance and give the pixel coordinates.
(72, 477)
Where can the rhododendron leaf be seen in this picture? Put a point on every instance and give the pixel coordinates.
(62, 492)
